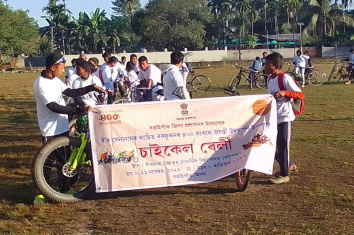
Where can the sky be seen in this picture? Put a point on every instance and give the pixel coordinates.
(75, 6)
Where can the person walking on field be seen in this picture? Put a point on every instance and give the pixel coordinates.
(285, 113)
(300, 64)
(254, 68)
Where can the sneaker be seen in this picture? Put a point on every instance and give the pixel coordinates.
(303, 86)
(39, 199)
(279, 180)
(348, 82)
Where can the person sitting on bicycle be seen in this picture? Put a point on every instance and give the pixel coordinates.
(307, 63)
(300, 64)
(131, 80)
(84, 70)
(173, 82)
(107, 79)
(254, 68)
(351, 58)
(149, 76)
(49, 91)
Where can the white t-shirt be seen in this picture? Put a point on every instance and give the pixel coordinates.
(71, 79)
(185, 72)
(137, 68)
(151, 72)
(299, 61)
(89, 98)
(171, 80)
(70, 71)
(107, 77)
(306, 58)
(118, 72)
(284, 108)
(133, 78)
(46, 91)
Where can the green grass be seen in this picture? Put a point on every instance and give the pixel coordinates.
(318, 200)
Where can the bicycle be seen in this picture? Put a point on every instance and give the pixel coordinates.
(339, 73)
(313, 77)
(197, 82)
(260, 80)
(62, 169)
(63, 172)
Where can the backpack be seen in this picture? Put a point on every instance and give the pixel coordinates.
(297, 104)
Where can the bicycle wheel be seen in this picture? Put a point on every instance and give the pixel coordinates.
(235, 82)
(190, 78)
(261, 81)
(243, 178)
(338, 77)
(231, 81)
(53, 178)
(201, 83)
(316, 78)
(121, 101)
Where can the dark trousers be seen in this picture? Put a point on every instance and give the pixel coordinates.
(282, 147)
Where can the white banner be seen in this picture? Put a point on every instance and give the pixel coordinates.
(159, 144)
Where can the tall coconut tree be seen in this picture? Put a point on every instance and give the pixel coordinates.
(126, 8)
(325, 19)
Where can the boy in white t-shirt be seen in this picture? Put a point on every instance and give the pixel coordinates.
(92, 98)
(134, 61)
(149, 76)
(131, 80)
(96, 71)
(285, 113)
(71, 70)
(300, 64)
(173, 82)
(49, 91)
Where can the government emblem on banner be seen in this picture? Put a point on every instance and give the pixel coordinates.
(184, 111)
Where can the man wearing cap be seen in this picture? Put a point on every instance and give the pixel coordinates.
(48, 91)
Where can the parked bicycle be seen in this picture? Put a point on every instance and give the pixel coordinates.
(339, 72)
(198, 82)
(260, 80)
(313, 77)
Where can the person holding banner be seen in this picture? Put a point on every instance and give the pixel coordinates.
(286, 116)
(173, 82)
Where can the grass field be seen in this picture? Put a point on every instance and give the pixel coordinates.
(318, 200)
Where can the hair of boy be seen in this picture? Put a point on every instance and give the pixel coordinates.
(129, 66)
(298, 52)
(94, 60)
(86, 66)
(73, 61)
(176, 57)
(264, 53)
(276, 59)
(257, 58)
(133, 55)
(112, 60)
(106, 55)
(52, 58)
(142, 59)
(123, 58)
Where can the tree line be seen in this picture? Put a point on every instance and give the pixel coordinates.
(173, 24)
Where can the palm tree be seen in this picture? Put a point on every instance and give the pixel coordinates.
(126, 7)
(325, 18)
(243, 7)
(221, 9)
